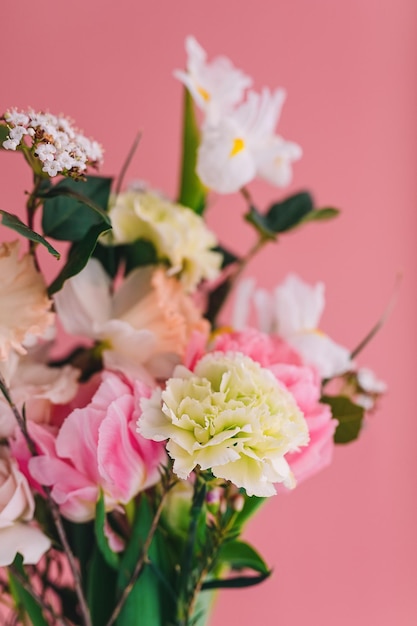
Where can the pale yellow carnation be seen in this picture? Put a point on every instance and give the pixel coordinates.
(179, 235)
(230, 416)
(24, 304)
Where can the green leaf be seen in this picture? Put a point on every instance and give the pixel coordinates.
(320, 215)
(145, 598)
(138, 254)
(78, 256)
(72, 207)
(287, 214)
(240, 555)
(261, 223)
(236, 582)
(192, 191)
(349, 415)
(111, 558)
(23, 598)
(101, 586)
(12, 221)
(228, 257)
(252, 504)
(4, 133)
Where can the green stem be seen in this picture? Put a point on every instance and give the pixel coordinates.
(170, 481)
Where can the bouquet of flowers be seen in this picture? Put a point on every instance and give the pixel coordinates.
(131, 462)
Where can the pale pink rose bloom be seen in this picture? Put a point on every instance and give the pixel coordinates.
(25, 306)
(144, 327)
(304, 384)
(16, 510)
(97, 448)
(37, 387)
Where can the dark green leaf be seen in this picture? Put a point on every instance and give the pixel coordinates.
(192, 191)
(320, 215)
(228, 257)
(109, 256)
(78, 256)
(101, 587)
(284, 215)
(240, 555)
(12, 221)
(138, 254)
(237, 582)
(112, 558)
(72, 207)
(4, 133)
(261, 223)
(349, 416)
(81, 538)
(23, 598)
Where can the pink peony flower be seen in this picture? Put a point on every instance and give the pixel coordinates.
(25, 307)
(97, 448)
(303, 382)
(16, 509)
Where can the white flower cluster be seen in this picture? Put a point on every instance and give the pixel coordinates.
(238, 139)
(53, 140)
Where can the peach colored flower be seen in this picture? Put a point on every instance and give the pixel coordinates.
(16, 509)
(144, 327)
(25, 307)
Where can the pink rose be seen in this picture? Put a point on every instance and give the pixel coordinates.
(303, 382)
(16, 508)
(97, 447)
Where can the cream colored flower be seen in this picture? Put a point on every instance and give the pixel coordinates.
(17, 507)
(25, 307)
(230, 416)
(179, 235)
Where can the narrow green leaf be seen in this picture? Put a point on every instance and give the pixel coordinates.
(111, 558)
(237, 582)
(101, 586)
(144, 600)
(320, 215)
(228, 257)
(78, 256)
(287, 214)
(349, 415)
(261, 223)
(240, 555)
(12, 221)
(72, 207)
(22, 598)
(252, 504)
(192, 191)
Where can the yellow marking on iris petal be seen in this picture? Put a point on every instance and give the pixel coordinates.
(238, 146)
(203, 93)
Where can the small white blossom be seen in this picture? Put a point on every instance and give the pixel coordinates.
(293, 311)
(216, 86)
(242, 145)
(57, 144)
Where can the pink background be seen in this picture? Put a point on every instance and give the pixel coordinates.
(343, 545)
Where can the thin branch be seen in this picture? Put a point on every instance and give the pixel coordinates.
(85, 613)
(127, 162)
(380, 323)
